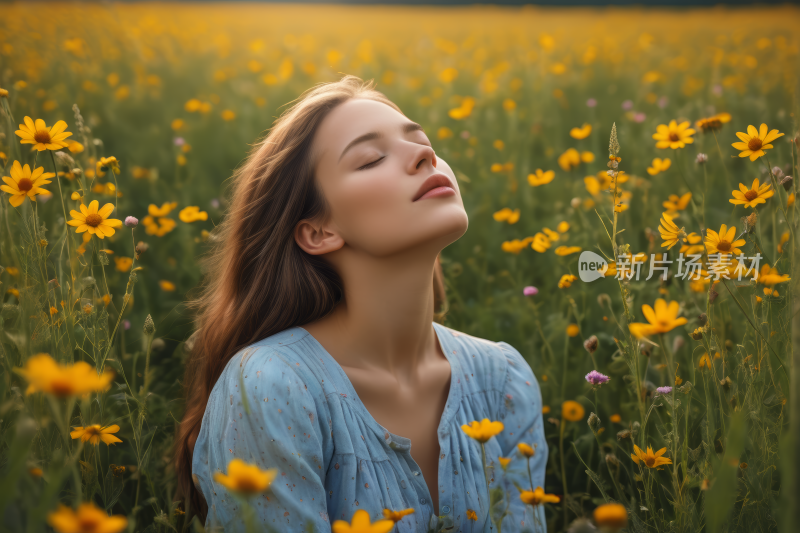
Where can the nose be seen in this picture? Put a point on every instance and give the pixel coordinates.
(422, 155)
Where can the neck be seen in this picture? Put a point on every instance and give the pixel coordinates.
(385, 320)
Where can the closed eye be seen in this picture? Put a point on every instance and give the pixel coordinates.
(369, 165)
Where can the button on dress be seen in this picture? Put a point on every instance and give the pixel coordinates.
(285, 403)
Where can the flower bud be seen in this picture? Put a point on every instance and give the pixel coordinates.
(624, 434)
(701, 159)
(149, 327)
(131, 222)
(575, 202)
(777, 172)
(594, 422)
(702, 319)
(590, 344)
(787, 182)
(611, 459)
(65, 159)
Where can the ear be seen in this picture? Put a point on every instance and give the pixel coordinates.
(316, 238)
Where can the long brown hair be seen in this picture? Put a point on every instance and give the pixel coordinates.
(258, 281)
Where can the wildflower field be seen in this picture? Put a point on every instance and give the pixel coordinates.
(664, 141)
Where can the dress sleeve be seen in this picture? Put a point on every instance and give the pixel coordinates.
(521, 414)
(262, 412)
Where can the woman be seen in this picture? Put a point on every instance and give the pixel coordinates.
(317, 353)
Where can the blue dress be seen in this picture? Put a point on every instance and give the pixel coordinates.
(284, 402)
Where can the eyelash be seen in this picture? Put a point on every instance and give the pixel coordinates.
(371, 164)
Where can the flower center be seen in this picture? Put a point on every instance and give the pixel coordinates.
(61, 388)
(751, 194)
(93, 430)
(650, 461)
(724, 246)
(247, 484)
(25, 185)
(754, 144)
(93, 220)
(89, 523)
(42, 136)
(674, 137)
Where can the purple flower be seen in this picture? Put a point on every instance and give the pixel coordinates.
(591, 102)
(664, 390)
(179, 141)
(126, 324)
(530, 291)
(627, 105)
(639, 117)
(215, 203)
(131, 222)
(596, 378)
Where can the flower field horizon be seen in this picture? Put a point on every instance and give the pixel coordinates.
(597, 150)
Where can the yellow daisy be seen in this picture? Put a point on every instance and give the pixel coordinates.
(95, 221)
(659, 165)
(24, 183)
(673, 135)
(95, 433)
(650, 459)
(482, 431)
(723, 242)
(693, 247)
(712, 123)
(753, 196)
(662, 319)
(754, 142)
(670, 232)
(541, 177)
(41, 137)
(582, 132)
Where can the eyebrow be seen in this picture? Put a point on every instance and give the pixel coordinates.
(408, 127)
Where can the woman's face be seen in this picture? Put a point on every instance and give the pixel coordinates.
(371, 163)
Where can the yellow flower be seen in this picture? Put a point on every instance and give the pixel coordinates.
(24, 183)
(545, 408)
(587, 157)
(504, 461)
(612, 516)
(94, 434)
(659, 165)
(615, 418)
(770, 276)
(482, 431)
(228, 115)
(676, 203)
(123, 263)
(361, 524)
(537, 497)
(567, 250)
(162, 211)
(540, 242)
(245, 478)
(41, 137)
(569, 159)
(472, 515)
(673, 135)
(507, 214)
(75, 147)
(566, 280)
(166, 285)
(753, 196)
(44, 374)
(95, 221)
(712, 123)
(572, 411)
(106, 163)
(563, 226)
(87, 519)
(723, 242)
(525, 449)
(541, 177)
(192, 213)
(650, 459)
(661, 320)
(582, 132)
(396, 516)
(573, 330)
(754, 142)
(669, 232)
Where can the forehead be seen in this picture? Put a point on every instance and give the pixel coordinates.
(354, 118)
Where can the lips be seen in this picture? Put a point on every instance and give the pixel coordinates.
(432, 182)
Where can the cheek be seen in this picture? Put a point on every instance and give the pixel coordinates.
(371, 203)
